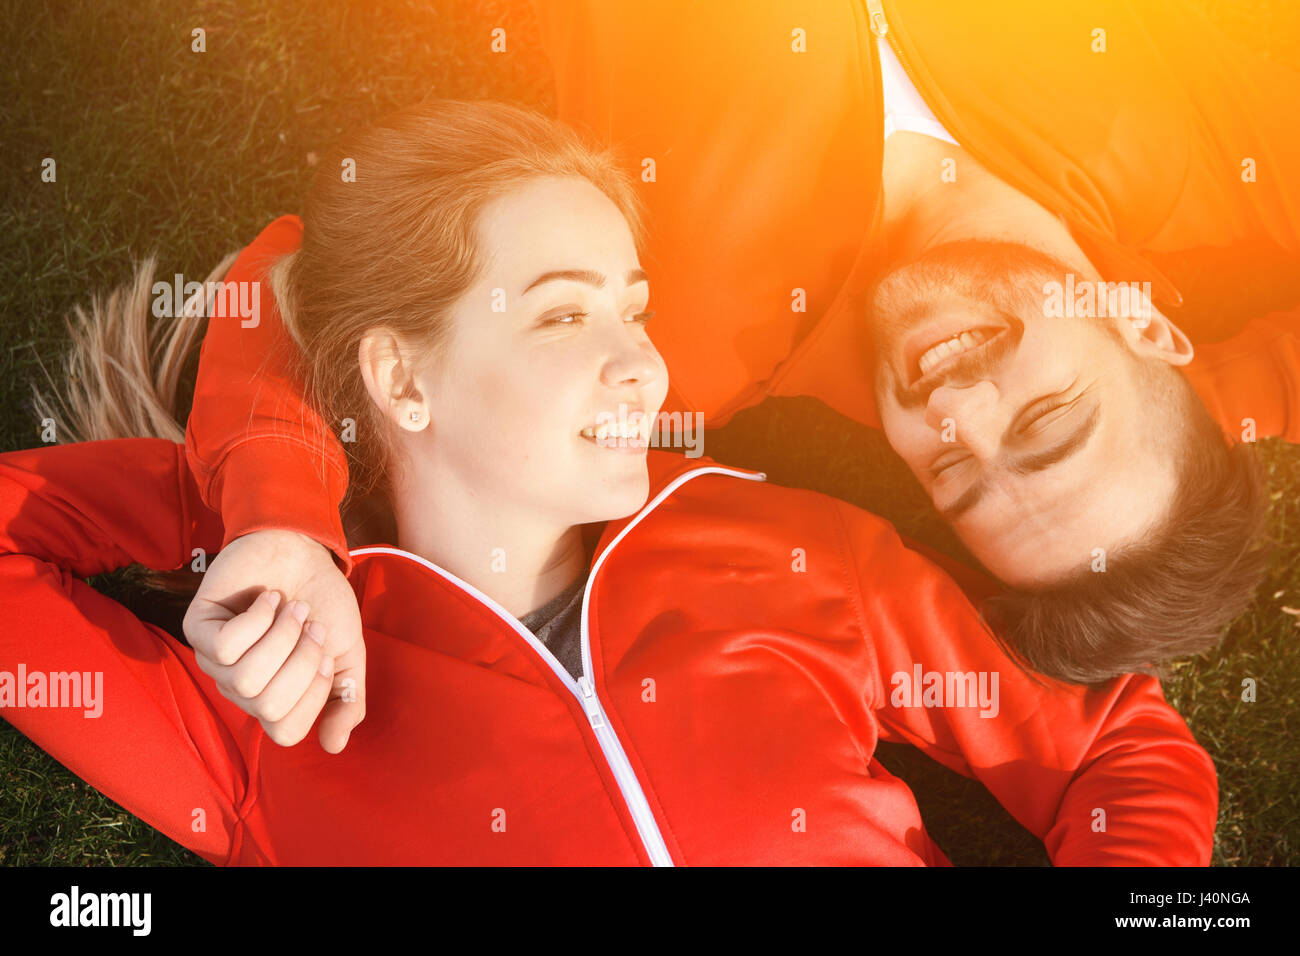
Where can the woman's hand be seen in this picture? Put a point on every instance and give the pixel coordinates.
(278, 667)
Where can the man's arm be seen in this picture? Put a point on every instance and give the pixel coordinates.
(1103, 777)
(712, 106)
(267, 462)
(261, 456)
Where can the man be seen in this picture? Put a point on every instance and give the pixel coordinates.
(1042, 410)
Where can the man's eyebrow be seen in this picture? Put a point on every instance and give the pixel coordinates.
(1028, 465)
(584, 275)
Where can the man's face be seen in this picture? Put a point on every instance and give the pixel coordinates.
(1035, 436)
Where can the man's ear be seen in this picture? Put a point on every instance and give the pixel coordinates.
(1157, 336)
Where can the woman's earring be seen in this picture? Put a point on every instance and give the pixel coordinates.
(415, 416)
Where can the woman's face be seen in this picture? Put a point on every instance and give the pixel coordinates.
(549, 344)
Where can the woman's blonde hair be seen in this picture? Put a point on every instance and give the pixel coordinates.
(394, 245)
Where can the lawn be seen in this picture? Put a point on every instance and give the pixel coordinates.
(191, 154)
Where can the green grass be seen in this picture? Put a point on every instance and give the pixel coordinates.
(192, 154)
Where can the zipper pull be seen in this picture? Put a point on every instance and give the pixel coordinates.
(589, 703)
(876, 12)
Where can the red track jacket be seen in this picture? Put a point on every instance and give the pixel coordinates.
(737, 694)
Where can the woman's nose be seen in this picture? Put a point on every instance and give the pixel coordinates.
(632, 363)
(967, 415)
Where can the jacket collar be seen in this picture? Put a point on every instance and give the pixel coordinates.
(399, 598)
(667, 471)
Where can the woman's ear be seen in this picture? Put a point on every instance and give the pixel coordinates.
(1157, 336)
(388, 380)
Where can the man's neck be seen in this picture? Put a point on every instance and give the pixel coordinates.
(935, 192)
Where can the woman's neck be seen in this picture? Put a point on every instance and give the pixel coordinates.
(508, 553)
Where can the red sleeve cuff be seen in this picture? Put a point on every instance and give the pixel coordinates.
(275, 482)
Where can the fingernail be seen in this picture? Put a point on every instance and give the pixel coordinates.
(272, 599)
(299, 611)
(327, 667)
(316, 631)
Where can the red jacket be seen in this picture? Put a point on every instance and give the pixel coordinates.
(734, 708)
(767, 160)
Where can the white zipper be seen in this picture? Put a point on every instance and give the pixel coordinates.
(614, 753)
(876, 14)
(583, 689)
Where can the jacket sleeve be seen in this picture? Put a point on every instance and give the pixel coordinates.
(1253, 377)
(135, 717)
(261, 456)
(1107, 776)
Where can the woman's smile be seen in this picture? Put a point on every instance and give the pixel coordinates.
(628, 431)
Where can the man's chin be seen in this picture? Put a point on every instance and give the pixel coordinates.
(1028, 566)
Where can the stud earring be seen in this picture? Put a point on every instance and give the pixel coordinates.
(415, 416)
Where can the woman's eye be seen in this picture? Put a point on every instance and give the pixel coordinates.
(561, 319)
(576, 318)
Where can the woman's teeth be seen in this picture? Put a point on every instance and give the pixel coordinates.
(614, 431)
(962, 342)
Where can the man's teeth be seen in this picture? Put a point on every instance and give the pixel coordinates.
(962, 342)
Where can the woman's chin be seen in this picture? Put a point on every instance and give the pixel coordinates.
(612, 500)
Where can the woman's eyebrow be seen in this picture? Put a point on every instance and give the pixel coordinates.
(583, 275)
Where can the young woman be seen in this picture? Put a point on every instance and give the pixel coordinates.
(577, 650)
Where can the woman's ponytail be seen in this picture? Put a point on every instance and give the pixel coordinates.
(122, 367)
(123, 374)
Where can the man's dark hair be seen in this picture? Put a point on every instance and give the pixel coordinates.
(1171, 595)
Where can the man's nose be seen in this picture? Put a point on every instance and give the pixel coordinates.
(967, 415)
